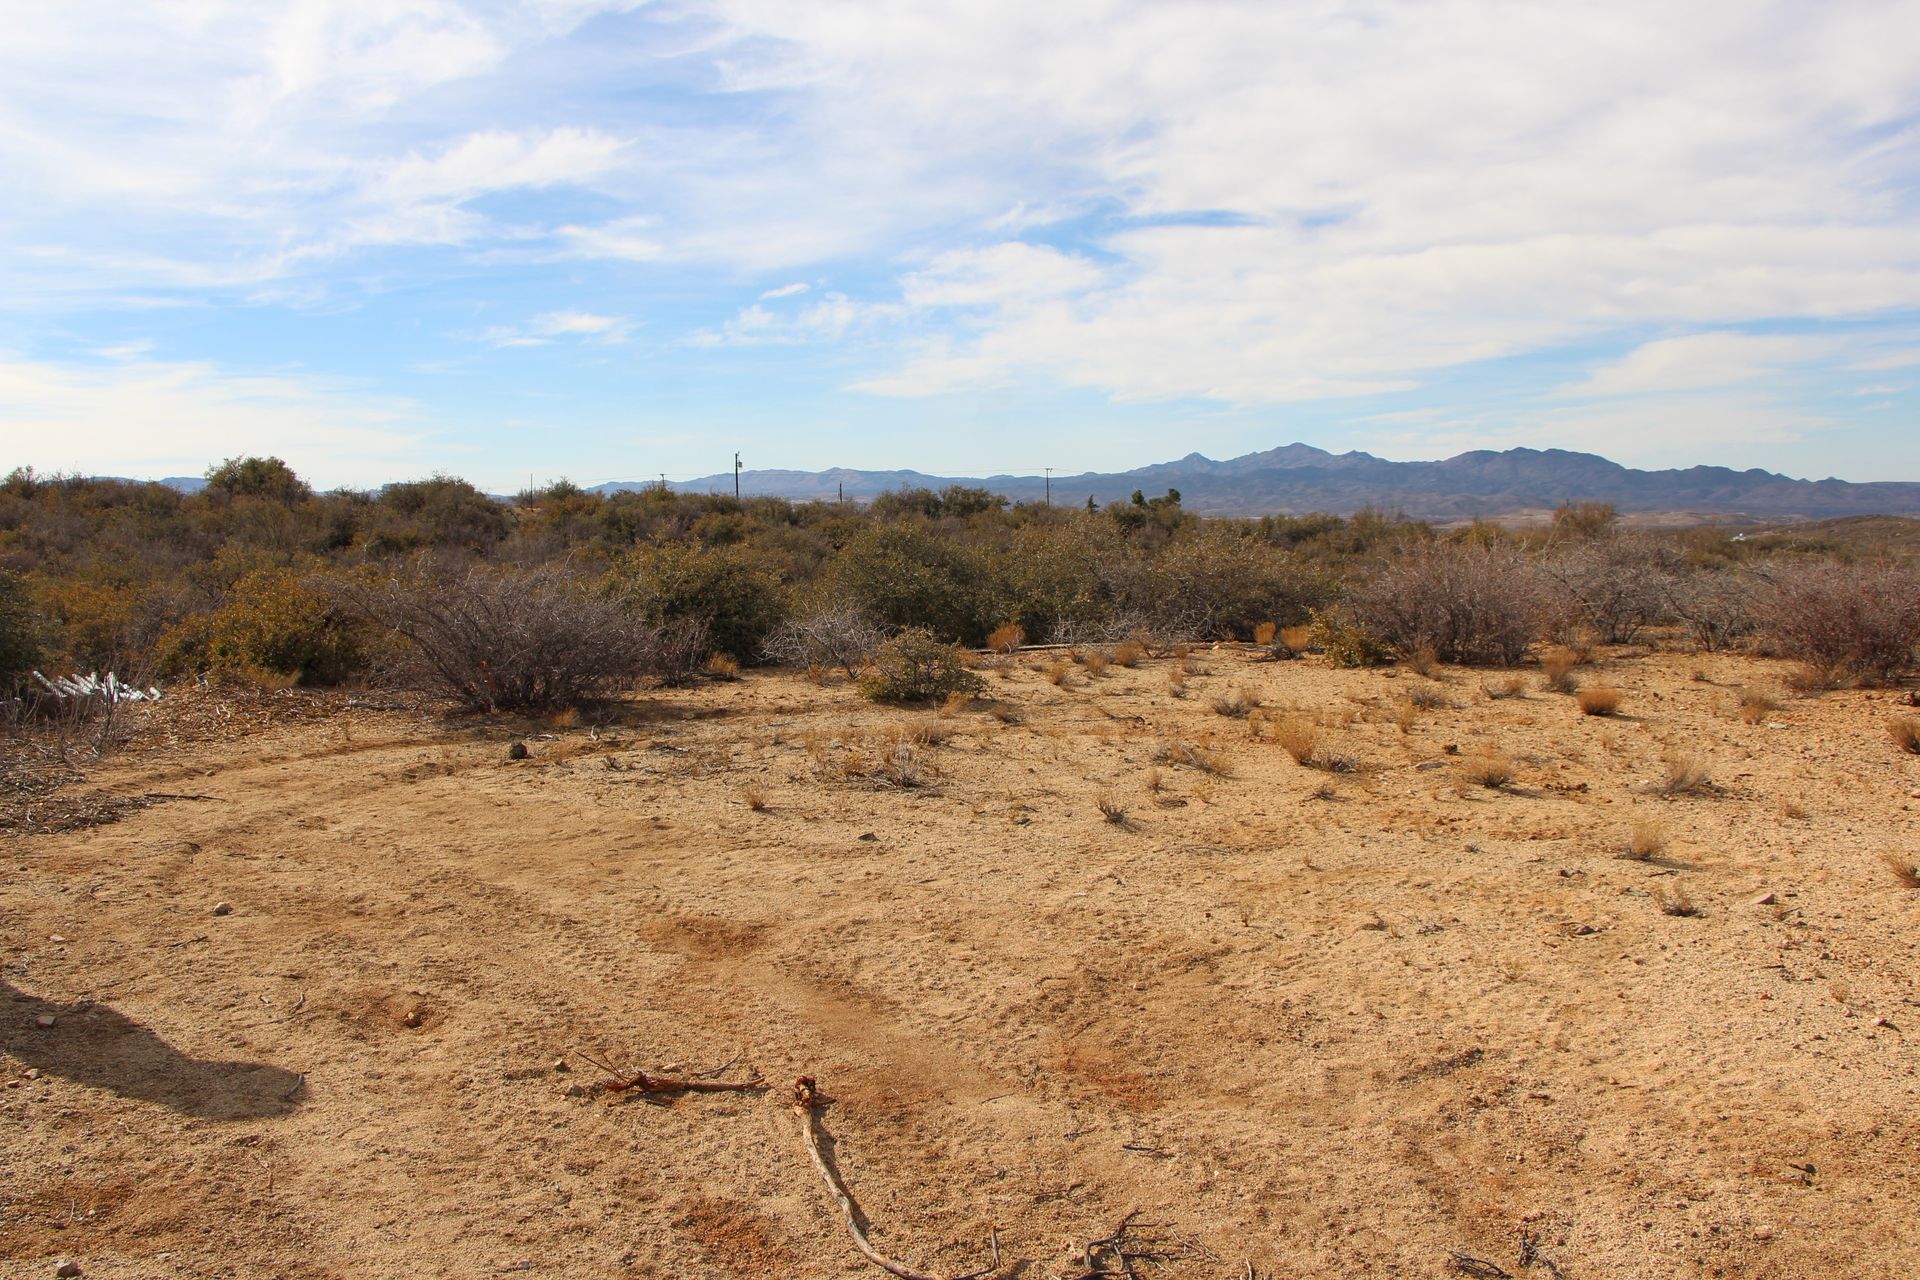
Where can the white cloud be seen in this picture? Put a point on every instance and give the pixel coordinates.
(149, 418)
(1700, 361)
(832, 318)
(785, 291)
(554, 325)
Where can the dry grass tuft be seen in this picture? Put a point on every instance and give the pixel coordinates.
(1809, 678)
(1905, 869)
(1905, 732)
(1193, 756)
(1007, 637)
(1095, 662)
(1677, 903)
(1237, 704)
(1264, 633)
(1557, 665)
(1128, 653)
(1297, 639)
(1060, 672)
(1406, 715)
(956, 702)
(1488, 768)
(1756, 705)
(721, 666)
(1111, 809)
(1511, 687)
(1428, 697)
(1686, 775)
(1177, 682)
(754, 798)
(1301, 740)
(1645, 841)
(1598, 700)
(1423, 658)
(1155, 781)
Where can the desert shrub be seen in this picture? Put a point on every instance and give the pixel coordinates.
(1488, 768)
(267, 478)
(907, 577)
(1006, 637)
(1905, 733)
(917, 666)
(502, 638)
(1716, 602)
(1219, 582)
(19, 633)
(1557, 665)
(1477, 604)
(1346, 641)
(441, 512)
(727, 590)
(275, 622)
(1858, 621)
(829, 635)
(1613, 585)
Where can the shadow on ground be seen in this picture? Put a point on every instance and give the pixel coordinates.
(97, 1046)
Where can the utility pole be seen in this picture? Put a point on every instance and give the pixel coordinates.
(663, 484)
(736, 477)
(843, 493)
(1049, 471)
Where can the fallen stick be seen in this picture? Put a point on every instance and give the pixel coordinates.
(644, 1082)
(807, 1101)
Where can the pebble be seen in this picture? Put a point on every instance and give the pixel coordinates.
(1765, 900)
(1763, 1233)
(518, 751)
(44, 1021)
(55, 937)
(67, 1267)
(561, 1064)
(223, 908)
(33, 1073)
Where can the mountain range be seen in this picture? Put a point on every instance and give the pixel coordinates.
(1297, 478)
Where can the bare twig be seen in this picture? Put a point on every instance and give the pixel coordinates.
(807, 1101)
(1468, 1265)
(644, 1082)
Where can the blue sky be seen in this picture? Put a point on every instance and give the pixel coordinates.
(610, 240)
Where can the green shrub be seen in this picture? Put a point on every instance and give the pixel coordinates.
(275, 622)
(728, 590)
(1346, 643)
(906, 576)
(917, 666)
(19, 633)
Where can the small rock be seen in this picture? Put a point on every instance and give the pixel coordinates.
(412, 1018)
(1765, 900)
(561, 1064)
(576, 1091)
(518, 751)
(868, 836)
(44, 1021)
(33, 1073)
(67, 1267)
(1763, 1233)
(55, 937)
(223, 908)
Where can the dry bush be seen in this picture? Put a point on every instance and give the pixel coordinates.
(721, 666)
(1428, 697)
(1461, 602)
(1007, 637)
(1154, 781)
(1677, 903)
(1345, 640)
(1406, 715)
(1645, 841)
(535, 639)
(1111, 809)
(1905, 868)
(1177, 682)
(1193, 756)
(1264, 632)
(1297, 639)
(1300, 739)
(838, 635)
(917, 666)
(1059, 672)
(1236, 704)
(754, 798)
(1598, 700)
(887, 761)
(1808, 678)
(1716, 604)
(1756, 705)
(1905, 732)
(1859, 621)
(1686, 775)
(1511, 687)
(1095, 662)
(1128, 653)
(1488, 768)
(1557, 665)
(1613, 586)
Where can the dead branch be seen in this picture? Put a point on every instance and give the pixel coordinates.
(1468, 1265)
(619, 1081)
(807, 1101)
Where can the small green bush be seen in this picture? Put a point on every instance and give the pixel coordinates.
(1345, 642)
(728, 590)
(275, 622)
(917, 666)
(19, 633)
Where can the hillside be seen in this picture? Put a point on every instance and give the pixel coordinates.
(1298, 478)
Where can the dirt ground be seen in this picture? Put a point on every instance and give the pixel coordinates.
(1304, 1022)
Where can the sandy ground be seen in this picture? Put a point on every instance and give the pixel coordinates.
(1306, 1023)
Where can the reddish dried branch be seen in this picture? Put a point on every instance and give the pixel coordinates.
(645, 1082)
(807, 1101)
